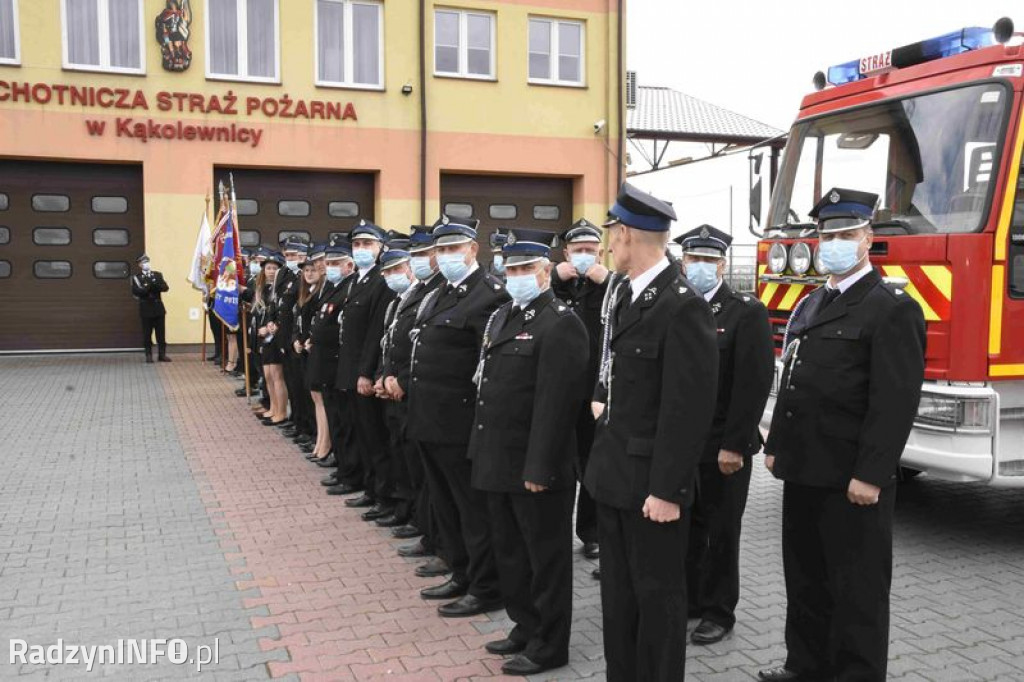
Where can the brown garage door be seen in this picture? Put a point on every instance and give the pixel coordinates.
(275, 203)
(69, 234)
(508, 201)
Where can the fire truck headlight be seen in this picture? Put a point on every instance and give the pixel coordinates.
(819, 267)
(800, 258)
(777, 259)
(954, 413)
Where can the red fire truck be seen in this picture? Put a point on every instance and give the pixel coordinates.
(935, 128)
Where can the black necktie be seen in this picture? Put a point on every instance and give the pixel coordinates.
(830, 295)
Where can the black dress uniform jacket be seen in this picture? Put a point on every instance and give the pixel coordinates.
(323, 331)
(585, 297)
(660, 405)
(531, 384)
(362, 326)
(398, 347)
(850, 391)
(746, 368)
(147, 289)
(449, 330)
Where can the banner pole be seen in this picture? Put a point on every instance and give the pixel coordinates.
(206, 314)
(223, 347)
(245, 348)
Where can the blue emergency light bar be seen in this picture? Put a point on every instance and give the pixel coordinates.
(947, 45)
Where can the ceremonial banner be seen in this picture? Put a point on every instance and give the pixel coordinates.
(201, 258)
(225, 303)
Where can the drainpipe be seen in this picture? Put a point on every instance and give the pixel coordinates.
(423, 112)
(620, 116)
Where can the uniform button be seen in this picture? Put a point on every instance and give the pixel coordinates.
(638, 351)
(415, 379)
(488, 356)
(799, 362)
(789, 414)
(485, 380)
(479, 427)
(792, 388)
(481, 402)
(839, 332)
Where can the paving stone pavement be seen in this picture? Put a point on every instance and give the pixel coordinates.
(144, 501)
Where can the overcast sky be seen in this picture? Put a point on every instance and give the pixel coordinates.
(757, 58)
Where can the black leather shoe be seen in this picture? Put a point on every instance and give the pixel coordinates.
(468, 605)
(591, 550)
(782, 674)
(521, 665)
(338, 488)
(433, 568)
(286, 424)
(378, 511)
(392, 520)
(709, 632)
(149, 359)
(596, 574)
(240, 392)
(289, 433)
(414, 550)
(303, 439)
(330, 481)
(446, 590)
(307, 448)
(405, 532)
(328, 461)
(504, 647)
(363, 500)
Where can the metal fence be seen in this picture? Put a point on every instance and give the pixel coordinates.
(741, 270)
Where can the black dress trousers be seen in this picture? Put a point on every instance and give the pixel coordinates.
(532, 539)
(643, 595)
(838, 563)
(460, 512)
(713, 558)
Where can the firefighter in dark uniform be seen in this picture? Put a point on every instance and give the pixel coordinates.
(147, 285)
(449, 330)
(582, 282)
(323, 357)
(853, 363)
(497, 240)
(396, 373)
(746, 367)
(361, 327)
(532, 379)
(295, 254)
(659, 376)
(306, 434)
(393, 384)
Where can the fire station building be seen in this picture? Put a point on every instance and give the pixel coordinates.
(118, 118)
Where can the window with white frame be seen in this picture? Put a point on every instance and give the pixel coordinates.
(103, 35)
(556, 51)
(242, 39)
(349, 41)
(463, 43)
(10, 52)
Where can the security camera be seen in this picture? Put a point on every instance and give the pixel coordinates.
(599, 126)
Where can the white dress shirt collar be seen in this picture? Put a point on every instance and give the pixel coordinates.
(643, 280)
(850, 280)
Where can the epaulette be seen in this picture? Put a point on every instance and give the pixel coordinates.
(560, 308)
(895, 290)
(748, 299)
(493, 282)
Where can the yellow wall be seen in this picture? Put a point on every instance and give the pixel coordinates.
(504, 126)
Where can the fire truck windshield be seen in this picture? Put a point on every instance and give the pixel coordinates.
(931, 158)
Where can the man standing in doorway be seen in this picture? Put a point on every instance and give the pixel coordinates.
(147, 286)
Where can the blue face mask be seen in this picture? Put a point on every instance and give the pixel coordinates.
(452, 266)
(364, 258)
(293, 265)
(254, 269)
(499, 264)
(398, 283)
(839, 255)
(334, 273)
(703, 276)
(582, 262)
(522, 289)
(421, 267)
